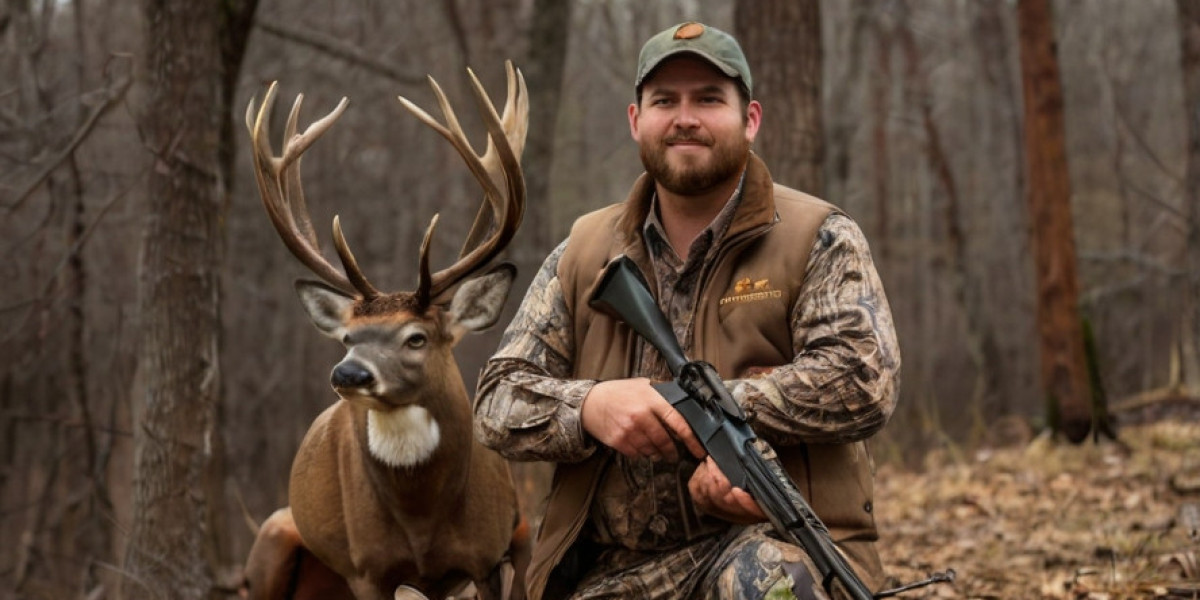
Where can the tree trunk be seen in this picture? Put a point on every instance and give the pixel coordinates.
(548, 39)
(782, 42)
(1189, 39)
(194, 50)
(1064, 369)
(544, 68)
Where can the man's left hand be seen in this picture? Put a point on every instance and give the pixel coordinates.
(714, 495)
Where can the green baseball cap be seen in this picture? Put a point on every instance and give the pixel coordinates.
(710, 43)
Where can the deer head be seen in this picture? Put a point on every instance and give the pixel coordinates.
(398, 344)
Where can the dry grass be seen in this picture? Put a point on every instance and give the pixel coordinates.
(1051, 520)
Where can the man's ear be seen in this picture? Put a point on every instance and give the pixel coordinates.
(478, 302)
(753, 120)
(328, 307)
(633, 124)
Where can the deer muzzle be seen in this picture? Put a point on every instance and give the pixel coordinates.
(351, 375)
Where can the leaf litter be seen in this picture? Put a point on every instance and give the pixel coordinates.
(1097, 521)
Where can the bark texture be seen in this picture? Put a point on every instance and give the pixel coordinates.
(1060, 334)
(193, 53)
(782, 42)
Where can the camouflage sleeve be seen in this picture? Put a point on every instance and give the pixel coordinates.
(526, 407)
(843, 383)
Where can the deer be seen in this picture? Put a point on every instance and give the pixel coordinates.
(389, 488)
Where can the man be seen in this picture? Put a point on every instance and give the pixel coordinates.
(773, 287)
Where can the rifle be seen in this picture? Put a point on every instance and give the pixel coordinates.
(699, 394)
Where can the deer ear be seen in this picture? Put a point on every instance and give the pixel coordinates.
(478, 302)
(327, 307)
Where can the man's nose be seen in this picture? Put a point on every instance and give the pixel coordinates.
(687, 116)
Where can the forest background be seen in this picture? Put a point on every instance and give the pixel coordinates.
(920, 139)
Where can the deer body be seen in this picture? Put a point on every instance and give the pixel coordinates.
(389, 488)
(409, 515)
(441, 509)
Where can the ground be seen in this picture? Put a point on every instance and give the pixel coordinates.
(1046, 519)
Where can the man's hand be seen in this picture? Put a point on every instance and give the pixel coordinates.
(714, 495)
(632, 418)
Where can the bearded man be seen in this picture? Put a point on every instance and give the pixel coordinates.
(774, 287)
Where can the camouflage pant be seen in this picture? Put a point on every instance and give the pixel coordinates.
(746, 563)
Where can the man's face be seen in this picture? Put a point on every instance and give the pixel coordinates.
(690, 126)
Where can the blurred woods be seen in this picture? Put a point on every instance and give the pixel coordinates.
(919, 135)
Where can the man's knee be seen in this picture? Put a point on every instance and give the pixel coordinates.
(758, 566)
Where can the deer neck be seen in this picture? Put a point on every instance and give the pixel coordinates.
(427, 430)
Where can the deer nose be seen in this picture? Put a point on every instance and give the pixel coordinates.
(350, 375)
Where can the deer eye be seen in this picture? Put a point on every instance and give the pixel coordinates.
(416, 341)
(346, 339)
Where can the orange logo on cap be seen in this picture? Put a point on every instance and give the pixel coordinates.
(688, 31)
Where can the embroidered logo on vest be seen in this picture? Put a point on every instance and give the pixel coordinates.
(748, 290)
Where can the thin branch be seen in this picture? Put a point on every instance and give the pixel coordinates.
(1122, 113)
(338, 49)
(108, 98)
(1153, 198)
(1149, 263)
(48, 287)
(66, 422)
(454, 19)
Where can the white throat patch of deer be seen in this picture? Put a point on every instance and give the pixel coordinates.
(404, 437)
(395, 458)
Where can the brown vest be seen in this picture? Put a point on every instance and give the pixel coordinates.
(769, 239)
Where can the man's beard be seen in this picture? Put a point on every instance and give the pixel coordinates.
(727, 161)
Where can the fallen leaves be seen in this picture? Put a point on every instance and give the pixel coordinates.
(1050, 520)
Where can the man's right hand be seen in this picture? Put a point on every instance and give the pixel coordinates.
(632, 418)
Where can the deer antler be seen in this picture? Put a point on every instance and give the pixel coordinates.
(282, 195)
(498, 166)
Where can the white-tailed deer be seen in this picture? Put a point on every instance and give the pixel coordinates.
(389, 488)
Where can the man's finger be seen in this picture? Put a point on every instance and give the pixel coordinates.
(644, 447)
(660, 438)
(680, 428)
(746, 502)
(718, 476)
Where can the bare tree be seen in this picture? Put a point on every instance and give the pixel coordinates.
(979, 337)
(1064, 368)
(782, 41)
(193, 54)
(1189, 39)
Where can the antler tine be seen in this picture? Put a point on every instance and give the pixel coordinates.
(507, 216)
(357, 278)
(300, 143)
(293, 191)
(423, 278)
(515, 123)
(279, 186)
(507, 208)
(515, 120)
(453, 134)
